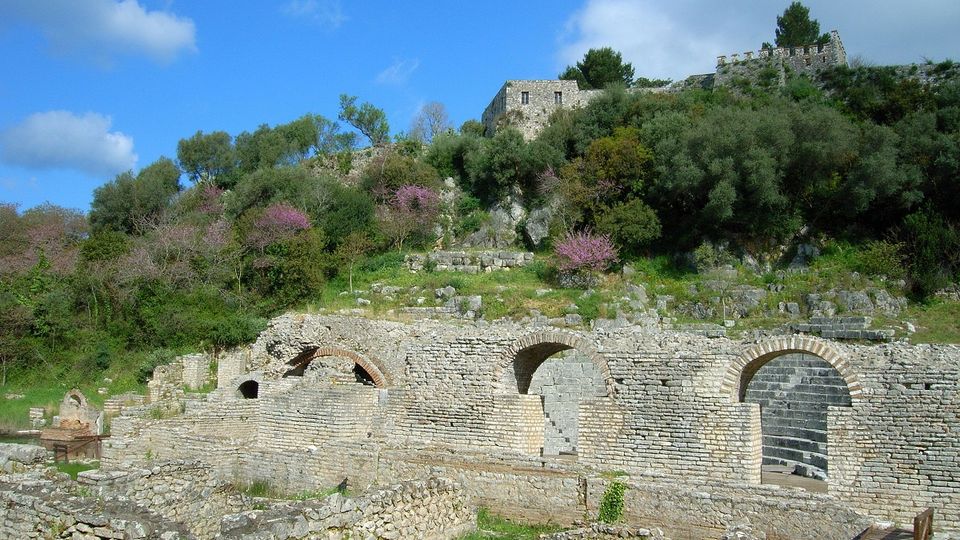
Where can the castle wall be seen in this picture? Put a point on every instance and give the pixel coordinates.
(672, 409)
(528, 104)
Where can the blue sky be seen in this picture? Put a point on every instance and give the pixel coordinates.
(95, 87)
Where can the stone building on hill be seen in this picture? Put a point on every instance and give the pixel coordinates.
(528, 104)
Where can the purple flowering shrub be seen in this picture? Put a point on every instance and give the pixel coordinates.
(584, 252)
(279, 222)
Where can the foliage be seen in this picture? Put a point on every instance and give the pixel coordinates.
(584, 251)
(127, 202)
(431, 120)
(279, 222)
(490, 526)
(205, 157)
(882, 258)
(388, 172)
(611, 504)
(367, 119)
(632, 225)
(795, 27)
(934, 248)
(497, 165)
(599, 68)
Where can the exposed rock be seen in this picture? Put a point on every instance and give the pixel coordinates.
(537, 227)
(805, 254)
(855, 301)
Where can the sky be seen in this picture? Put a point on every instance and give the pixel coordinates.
(97, 87)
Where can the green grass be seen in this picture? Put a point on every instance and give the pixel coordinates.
(490, 526)
(75, 467)
(936, 322)
(263, 489)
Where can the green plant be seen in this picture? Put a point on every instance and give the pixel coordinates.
(76, 467)
(611, 505)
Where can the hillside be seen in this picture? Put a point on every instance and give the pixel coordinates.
(746, 209)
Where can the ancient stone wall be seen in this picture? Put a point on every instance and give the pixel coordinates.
(807, 60)
(468, 262)
(432, 509)
(179, 491)
(564, 381)
(673, 407)
(196, 370)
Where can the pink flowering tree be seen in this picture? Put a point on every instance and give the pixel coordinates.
(412, 210)
(582, 255)
(279, 222)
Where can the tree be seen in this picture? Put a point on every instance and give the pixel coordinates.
(795, 27)
(123, 203)
(430, 121)
(352, 249)
(412, 210)
(367, 119)
(204, 157)
(599, 68)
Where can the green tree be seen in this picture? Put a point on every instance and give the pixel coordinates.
(632, 225)
(367, 119)
(127, 200)
(205, 157)
(352, 249)
(795, 27)
(599, 68)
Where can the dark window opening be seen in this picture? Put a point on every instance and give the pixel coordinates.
(558, 98)
(524, 98)
(362, 376)
(249, 390)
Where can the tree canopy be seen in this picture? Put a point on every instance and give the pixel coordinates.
(795, 27)
(599, 68)
(367, 119)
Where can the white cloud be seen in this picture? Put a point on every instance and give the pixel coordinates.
(398, 72)
(327, 13)
(103, 29)
(657, 42)
(63, 140)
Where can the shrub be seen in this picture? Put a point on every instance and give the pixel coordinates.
(585, 252)
(611, 505)
(881, 258)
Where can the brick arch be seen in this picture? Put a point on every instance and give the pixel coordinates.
(744, 367)
(533, 349)
(372, 366)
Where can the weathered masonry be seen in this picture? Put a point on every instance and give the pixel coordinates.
(488, 404)
(528, 104)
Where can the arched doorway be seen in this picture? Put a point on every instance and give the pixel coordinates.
(794, 381)
(554, 372)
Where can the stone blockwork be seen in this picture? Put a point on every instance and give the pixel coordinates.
(528, 104)
(672, 409)
(183, 492)
(433, 509)
(808, 60)
(564, 381)
(470, 262)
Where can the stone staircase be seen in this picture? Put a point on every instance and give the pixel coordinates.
(794, 392)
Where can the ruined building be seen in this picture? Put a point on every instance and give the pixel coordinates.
(528, 104)
(534, 422)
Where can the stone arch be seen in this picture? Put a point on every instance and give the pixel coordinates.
(370, 365)
(76, 398)
(743, 368)
(525, 355)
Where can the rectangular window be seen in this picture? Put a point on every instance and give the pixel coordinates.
(558, 98)
(524, 98)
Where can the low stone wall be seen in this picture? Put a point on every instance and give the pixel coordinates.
(433, 510)
(602, 531)
(843, 328)
(468, 262)
(179, 491)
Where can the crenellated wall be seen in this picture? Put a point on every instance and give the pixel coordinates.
(669, 405)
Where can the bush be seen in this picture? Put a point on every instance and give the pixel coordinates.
(881, 258)
(611, 505)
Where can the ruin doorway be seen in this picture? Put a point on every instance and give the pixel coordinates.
(563, 381)
(795, 391)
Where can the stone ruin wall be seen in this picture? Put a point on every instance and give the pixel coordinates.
(431, 509)
(671, 410)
